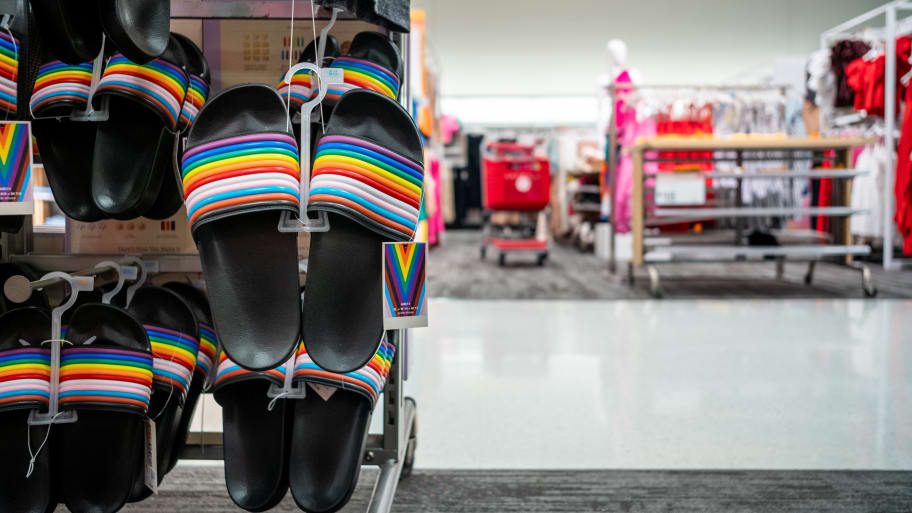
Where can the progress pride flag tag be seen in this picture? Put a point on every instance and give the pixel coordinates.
(404, 285)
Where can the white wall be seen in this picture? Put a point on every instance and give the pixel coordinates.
(556, 47)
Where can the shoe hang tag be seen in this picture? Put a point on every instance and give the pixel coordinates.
(404, 285)
(324, 391)
(16, 166)
(150, 476)
(333, 75)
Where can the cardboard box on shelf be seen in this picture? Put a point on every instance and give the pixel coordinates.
(138, 236)
(257, 50)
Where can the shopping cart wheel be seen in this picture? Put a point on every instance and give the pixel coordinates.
(502, 260)
(483, 251)
(542, 257)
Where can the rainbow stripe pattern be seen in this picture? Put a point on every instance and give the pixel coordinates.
(196, 96)
(247, 170)
(299, 91)
(361, 74)
(160, 84)
(174, 359)
(368, 380)
(15, 161)
(61, 85)
(368, 183)
(105, 377)
(404, 282)
(9, 72)
(208, 347)
(25, 377)
(230, 372)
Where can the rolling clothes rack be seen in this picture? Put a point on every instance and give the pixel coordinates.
(393, 450)
(892, 29)
(649, 252)
(610, 180)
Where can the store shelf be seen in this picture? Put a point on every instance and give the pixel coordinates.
(843, 173)
(713, 213)
(792, 143)
(247, 9)
(72, 263)
(709, 237)
(728, 253)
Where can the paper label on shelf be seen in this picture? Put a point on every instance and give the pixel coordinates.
(150, 475)
(16, 177)
(404, 285)
(680, 189)
(324, 391)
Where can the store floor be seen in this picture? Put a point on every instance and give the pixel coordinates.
(707, 405)
(456, 271)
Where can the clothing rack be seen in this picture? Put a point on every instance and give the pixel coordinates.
(888, 33)
(613, 138)
(729, 247)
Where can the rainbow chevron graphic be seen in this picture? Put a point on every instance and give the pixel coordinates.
(15, 162)
(403, 279)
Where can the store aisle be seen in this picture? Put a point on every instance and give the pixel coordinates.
(798, 384)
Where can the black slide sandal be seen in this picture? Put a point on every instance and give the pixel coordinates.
(170, 197)
(255, 438)
(139, 28)
(66, 147)
(174, 335)
(106, 377)
(331, 425)
(205, 361)
(71, 31)
(240, 173)
(24, 386)
(135, 146)
(367, 177)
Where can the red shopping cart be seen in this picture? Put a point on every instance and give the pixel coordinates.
(516, 189)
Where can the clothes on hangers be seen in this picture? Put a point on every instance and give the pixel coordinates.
(841, 55)
(867, 191)
(902, 187)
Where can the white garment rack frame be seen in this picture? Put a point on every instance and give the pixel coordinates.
(888, 33)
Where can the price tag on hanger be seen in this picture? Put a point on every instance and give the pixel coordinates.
(333, 75)
(676, 188)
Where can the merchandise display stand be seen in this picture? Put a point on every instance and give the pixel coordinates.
(393, 449)
(649, 252)
(893, 28)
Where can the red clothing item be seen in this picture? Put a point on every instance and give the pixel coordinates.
(902, 186)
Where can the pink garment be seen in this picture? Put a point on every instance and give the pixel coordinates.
(624, 187)
(623, 84)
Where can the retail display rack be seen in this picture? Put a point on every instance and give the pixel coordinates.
(728, 245)
(392, 450)
(893, 28)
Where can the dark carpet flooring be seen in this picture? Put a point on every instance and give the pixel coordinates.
(455, 270)
(202, 489)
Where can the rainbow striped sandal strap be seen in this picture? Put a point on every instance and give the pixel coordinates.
(208, 351)
(368, 183)
(299, 91)
(229, 373)
(241, 174)
(367, 381)
(197, 93)
(61, 88)
(175, 356)
(159, 85)
(25, 378)
(9, 72)
(106, 378)
(360, 74)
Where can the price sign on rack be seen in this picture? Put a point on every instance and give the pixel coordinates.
(675, 188)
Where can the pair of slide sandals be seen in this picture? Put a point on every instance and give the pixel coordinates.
(106, 377)
(312, 446)
(124, 167)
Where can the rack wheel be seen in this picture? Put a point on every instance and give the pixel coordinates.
(655, 285)
(409, 462)
(484, 249)
(867, 283)
(502, 260)
(541, 259)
